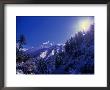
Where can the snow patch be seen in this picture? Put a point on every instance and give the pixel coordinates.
(53, 51)
(24, 49)
(19, 72)
(43, 54)
(57, 50)
(51, 44)
(61, 44)
(46, 42)
(83, 34)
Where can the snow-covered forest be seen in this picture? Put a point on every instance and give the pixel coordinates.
(75, 56)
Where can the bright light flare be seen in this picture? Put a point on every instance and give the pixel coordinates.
(84, 25)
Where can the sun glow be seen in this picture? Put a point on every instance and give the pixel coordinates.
(84, 25)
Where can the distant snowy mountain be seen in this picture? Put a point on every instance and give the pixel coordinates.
(46, 44)
(47, 49)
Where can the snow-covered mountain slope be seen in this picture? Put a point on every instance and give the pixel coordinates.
(47, 49)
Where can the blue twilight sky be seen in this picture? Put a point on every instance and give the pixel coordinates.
(40, 29)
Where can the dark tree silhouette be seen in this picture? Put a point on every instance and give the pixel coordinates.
(20, 56)
(21, 41)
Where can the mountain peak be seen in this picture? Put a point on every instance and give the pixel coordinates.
(46, 44)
